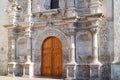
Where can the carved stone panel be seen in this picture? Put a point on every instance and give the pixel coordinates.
(83, 44)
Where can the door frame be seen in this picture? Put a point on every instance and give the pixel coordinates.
(65, 40)
(52, 65)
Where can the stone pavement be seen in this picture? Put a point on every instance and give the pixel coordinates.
(22, 78)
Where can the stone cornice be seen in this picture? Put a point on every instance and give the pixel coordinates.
(58, 22)
(87, 28)
(40, 24)
(88, 19)
(21, 24)
(9, 26)
(93, 19)
(49, 12)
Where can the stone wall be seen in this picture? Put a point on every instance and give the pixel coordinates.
(115, 66)
(3, 37)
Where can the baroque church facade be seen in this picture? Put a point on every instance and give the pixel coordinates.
(68, 39)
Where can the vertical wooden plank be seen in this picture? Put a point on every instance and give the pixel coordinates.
(57, 57)
(46, 57)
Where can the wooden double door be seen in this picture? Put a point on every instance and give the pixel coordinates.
(51, 57)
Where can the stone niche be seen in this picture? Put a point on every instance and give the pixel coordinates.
(83, 46)
(22, 47)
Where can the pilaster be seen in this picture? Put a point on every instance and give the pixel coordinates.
(95, 64)
(71, 66)
(95, 32)
(28, 34)
(28, 70)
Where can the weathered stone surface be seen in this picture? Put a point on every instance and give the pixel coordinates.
(3, 38)
(115, 71)
(72, 15)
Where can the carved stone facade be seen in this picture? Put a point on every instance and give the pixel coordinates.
(82, 27)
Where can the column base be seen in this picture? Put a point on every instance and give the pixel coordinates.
(28, 70)
(70, 79)
(95, 70)
(72, 63)
(11, 69)
(116, 62)
(95, 62)
(71, 71)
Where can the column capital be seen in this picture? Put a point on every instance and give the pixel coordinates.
(95, 30)
(28, 32)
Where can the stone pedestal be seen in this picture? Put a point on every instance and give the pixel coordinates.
(115, 71)
(71, 66)
(28, 70)
(71, 71)
(11, 68)
(95, 64)
(82, 71)
(95, 71)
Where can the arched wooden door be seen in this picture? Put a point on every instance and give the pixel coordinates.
(51, 57)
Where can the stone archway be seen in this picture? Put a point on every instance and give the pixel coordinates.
(38, 44)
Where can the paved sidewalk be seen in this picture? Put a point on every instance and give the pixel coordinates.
(21, 78)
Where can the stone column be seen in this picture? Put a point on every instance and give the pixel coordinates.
(29, 31)
(95, 64)
(72, 46)
(17, 10)
(71, 66)
(14, 47)
(28, 69)
(30, 10)
(29, 41)
(12, 64)
(95, 32)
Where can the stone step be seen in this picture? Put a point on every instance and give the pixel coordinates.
(22, 78)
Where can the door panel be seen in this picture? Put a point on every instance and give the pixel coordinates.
(46, 57)
(46, 65)
(52, 57)
(57, 62)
